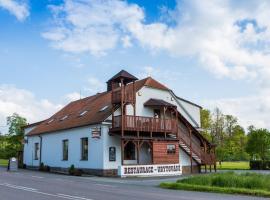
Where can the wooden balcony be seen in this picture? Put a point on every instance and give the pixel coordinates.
(145, 124)
(128, 96)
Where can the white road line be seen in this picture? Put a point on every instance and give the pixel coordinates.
(37, 176)
(105, 185)
(33, 190)
(75, 197)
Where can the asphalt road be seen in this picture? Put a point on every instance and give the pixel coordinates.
(33, 185)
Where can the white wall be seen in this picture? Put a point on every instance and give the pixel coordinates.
(29, 151)
(111, 141)
(191, 113)
(52, 149)
(184, 158)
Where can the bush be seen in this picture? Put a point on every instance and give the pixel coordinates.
(44, 168)
(74, 172)
(259, 165)
(71, 170)
(41, 167)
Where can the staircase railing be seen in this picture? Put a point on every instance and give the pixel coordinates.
(205, 157)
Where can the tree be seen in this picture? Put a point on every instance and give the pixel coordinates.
(217, 127)
(258, 144)
(16, 124)
(13, 141)
(206, 123)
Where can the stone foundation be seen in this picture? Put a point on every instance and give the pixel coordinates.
(95, 172)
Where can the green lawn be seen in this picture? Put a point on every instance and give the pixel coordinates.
(3, 162)
(246, 183)
(233, 165)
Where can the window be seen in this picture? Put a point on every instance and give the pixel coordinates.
(171, 149)
(84, 148)
(104, 108)
(156, 113)
(50, 121)
(65, 149)
(36, 150)
(63, 118)
(83, 113)
(130, 151)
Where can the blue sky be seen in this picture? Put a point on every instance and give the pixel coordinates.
(214, 53)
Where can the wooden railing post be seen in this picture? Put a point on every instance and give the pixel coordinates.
(191, 151)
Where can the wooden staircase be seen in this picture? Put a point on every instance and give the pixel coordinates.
(195, 150)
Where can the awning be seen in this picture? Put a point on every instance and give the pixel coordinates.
(158, 103)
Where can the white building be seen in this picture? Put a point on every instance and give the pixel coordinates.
(136, 127)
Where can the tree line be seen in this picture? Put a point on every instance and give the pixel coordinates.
(233, 142)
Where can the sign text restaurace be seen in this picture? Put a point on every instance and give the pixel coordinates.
(150, 169)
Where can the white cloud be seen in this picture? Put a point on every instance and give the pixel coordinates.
(18, 8)
(24, 103)
(94, 86)
(73, 96)
(250, 110)
(230, 39)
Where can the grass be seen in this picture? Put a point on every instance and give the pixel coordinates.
(239, 165)
(3, 162)
(231, 183)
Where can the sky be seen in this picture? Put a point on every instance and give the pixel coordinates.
(214, 52)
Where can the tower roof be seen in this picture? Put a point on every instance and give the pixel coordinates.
(123, 74)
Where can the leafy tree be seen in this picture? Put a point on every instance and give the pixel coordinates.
(217, 127)
(206, 123)
(258, 144)
(12, 142)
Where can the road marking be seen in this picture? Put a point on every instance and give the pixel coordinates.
(75, 197)
(18, 187)
(103, 185)
(37, 177)
(33, 190)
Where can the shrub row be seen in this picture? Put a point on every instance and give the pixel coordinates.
(259, 165)
(227, 190)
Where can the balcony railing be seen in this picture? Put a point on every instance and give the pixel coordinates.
(128, 96)
(145, 124)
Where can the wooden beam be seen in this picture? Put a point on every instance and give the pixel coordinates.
(190, 145)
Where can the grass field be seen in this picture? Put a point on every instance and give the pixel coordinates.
(244, 165)
(3, 162)
(229, 182)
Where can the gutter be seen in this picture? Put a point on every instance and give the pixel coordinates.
(40, 149)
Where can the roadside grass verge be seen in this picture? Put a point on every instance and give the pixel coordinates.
(238, 165)
(230, 183)
(3, 162)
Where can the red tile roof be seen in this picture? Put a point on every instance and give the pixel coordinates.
(92, 104)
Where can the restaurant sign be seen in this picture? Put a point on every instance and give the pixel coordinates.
(150, 170)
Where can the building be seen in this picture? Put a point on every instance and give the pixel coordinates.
(135, 128)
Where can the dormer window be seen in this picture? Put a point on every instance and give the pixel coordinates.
(83, 113)
(63, 118)
(103, 109)
(50, 121)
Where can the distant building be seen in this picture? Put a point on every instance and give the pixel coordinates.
(135, 128)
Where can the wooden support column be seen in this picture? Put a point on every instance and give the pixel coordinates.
(190, 145)
(122, 151)
(204, 146)
(164, 121)
(138, 151)
(122, 107)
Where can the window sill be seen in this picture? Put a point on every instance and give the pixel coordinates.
(84, 160)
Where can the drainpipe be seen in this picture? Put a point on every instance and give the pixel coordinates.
(40, 149)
